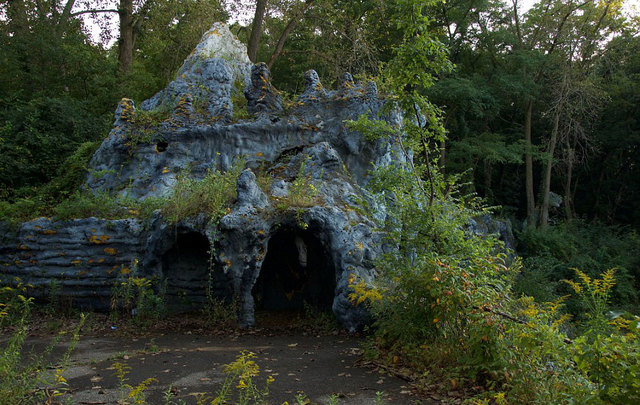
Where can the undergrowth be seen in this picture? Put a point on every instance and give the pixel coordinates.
(550, 255)
(137, 298)
(27, 377)
(213, 195)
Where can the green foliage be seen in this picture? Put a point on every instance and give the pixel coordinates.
(39, 135)
(85, 204)
(71, 173)
(598, 366)
(239, 102)
(240, 384)
(138, 298)
(14, 307)
(213, 195)
(40, 201)
(23, 377)
(608, 351)
(137, 394)
(550, 255)
(22, 209)
(145, 125)
(302, 192)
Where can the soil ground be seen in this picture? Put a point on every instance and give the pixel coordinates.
(189, 362)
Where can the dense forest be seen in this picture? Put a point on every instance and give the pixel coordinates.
(532, 115)
(539, 107)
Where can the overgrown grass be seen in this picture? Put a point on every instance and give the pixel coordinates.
(28, 377)
(302, 192)
(213, 195)
(84, 204)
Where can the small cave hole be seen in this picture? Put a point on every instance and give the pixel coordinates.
(162, 146)
(297, 274)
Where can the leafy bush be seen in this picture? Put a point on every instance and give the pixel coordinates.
(38, 136)
(71, 174)
(551, 254)
(608, 351)
(22, 209)
(84, 204)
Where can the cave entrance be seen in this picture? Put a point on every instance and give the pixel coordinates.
(297, 274)
(186, 272)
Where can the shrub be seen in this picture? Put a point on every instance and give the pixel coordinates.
(39, 135)
(551, 254)
(71, 174)
(84, 204)
(239, 378)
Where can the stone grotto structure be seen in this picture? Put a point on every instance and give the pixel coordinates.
(263, 253)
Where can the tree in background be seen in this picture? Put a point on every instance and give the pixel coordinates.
(59, 90)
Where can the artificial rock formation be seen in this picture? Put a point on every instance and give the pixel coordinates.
(270, 251)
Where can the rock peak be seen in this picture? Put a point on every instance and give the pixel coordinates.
(217, 42)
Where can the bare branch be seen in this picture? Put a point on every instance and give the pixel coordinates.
(93, 11)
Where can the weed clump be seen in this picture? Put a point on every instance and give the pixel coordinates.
(213, 195)
(28, 379)
(140, 298)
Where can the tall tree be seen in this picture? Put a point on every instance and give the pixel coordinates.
(256, 30)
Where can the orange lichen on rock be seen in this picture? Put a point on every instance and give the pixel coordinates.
(98, 239)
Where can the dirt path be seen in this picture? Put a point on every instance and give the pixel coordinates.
(318, 366)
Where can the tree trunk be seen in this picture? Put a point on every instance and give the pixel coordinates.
(290, 26)
(127, 36)
(568, 197)
(546, 188)
(529, 164)
(443, 157)
(256, 30)
(488, 174)
(598, 190)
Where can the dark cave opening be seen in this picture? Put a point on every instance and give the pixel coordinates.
(297, 274)
(162, 146)
(185, 268)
